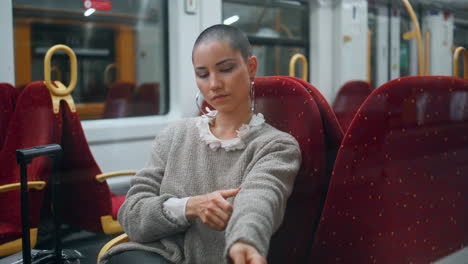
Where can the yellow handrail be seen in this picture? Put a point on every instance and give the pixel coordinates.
(456, 55)
(292, 66)
(427, 37)
(38, 185)
(104, 176)
(416, 33)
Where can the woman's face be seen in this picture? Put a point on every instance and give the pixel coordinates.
(223, 76)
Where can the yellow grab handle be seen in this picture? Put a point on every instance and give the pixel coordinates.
(292, 66)
(61, 90)
(114, 242)
(456, 55)
(104, 176)
(415, 34)
(38, 185)
(109, 67)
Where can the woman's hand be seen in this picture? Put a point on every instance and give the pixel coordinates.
(243, 253)
(212, 208)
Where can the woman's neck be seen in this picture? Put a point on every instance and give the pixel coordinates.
(226, 124)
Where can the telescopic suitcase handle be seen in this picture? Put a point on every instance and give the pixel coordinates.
(24, 157)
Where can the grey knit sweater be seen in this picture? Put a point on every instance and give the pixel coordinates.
(182, 165)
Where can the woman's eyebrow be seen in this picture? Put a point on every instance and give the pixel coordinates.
(217, 64)
(223, 61)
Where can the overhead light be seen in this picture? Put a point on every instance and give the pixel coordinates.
(230, 20)
(89, 11)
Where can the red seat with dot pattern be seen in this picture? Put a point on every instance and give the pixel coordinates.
(33, 123)
(331, 127)
(399, 186)
(8, 97)
(289, 107)
(91, 205)
(348, 100)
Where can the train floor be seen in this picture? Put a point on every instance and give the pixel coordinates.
(87, 243)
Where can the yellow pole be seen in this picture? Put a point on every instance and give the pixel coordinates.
(427, 37)
(416, 33)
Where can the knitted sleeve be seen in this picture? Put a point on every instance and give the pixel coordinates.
(260, 205)
(142, 215)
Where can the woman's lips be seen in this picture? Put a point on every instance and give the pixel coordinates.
(218, 97)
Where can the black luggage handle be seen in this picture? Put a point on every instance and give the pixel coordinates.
(24, 157)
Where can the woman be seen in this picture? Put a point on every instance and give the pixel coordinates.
(215, 188)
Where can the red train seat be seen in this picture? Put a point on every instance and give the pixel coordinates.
(147, 99)
(399, 186)
(33, 123)
(348, 100)
(91, 204)
(331, 127)
(289, 107)
(8, 97)
(119, 100)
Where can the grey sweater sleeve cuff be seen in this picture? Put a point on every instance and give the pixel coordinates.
(175, 209)
(144, 218)
(251, 237)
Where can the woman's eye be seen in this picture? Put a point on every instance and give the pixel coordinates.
(202, 75)
(227, 69)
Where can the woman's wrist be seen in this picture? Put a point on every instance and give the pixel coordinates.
(190, 208)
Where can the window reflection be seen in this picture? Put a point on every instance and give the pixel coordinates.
(276, 29)
(121, 53)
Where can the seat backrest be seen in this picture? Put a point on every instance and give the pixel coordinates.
(331, 127)
(33, 123)
(87, 199)
(119, 100)
(287, 106)
(147, 99)
(348, 100)
(399, 186)
(8, 96)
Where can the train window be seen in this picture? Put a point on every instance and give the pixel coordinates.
(276, 29)
(121, 47)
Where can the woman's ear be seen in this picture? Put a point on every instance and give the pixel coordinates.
(252, 65)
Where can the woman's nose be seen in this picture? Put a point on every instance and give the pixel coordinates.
(215, 83)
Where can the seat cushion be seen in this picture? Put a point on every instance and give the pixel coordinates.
(117, 201)
(9, 232)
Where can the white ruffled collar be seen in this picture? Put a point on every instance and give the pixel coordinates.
(203, 124)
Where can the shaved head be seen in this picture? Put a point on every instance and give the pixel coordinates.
(236, 39)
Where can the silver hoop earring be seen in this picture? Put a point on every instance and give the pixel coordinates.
(252, 97)
(197, 97)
